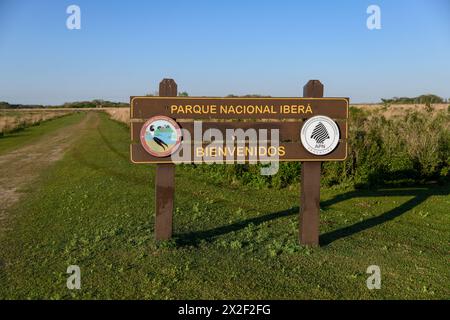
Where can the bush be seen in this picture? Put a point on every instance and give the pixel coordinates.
(412, 148)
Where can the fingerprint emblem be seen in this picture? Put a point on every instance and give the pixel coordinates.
(320, 133)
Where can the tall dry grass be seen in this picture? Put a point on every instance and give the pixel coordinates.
(119, 114)
(13, 120)
(399, 110)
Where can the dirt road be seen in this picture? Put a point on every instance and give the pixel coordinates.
(21, 167)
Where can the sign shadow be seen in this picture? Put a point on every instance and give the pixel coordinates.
(419, 196)
(194, 238)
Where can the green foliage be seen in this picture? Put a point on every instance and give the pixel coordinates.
(4, 105)
(97, 103)
(423, 99)
(412, 148)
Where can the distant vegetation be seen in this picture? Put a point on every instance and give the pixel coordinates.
(423, 99)
(96, 104)
(78, 104)
(6, 105)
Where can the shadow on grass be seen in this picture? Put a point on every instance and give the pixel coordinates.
(194, 238)
(419, 196)
(9, 136)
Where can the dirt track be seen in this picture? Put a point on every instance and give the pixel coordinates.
(22, 166)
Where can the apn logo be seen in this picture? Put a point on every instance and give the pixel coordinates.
(320, 133)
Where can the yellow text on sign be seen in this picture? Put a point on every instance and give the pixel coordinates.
(239, 109)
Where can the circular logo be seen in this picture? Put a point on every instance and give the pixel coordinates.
(320, 135)
(160, 136)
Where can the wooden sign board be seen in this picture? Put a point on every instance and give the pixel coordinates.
(310, 129)
(285, 116)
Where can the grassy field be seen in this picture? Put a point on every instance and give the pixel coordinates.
(95, 209)
(31, 134)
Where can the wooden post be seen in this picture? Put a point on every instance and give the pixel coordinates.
(165, 180)
(310, 184)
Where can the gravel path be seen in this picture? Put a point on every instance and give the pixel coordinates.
(21, 167)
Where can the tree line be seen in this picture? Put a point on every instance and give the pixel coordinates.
(422, 99)
(98, 103)
(77, 104)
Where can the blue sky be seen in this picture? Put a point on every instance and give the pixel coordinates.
(216, 48)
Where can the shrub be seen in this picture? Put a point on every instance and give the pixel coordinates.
(412, 148)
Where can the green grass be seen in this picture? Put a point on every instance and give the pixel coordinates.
(11, 141)
(95, 209)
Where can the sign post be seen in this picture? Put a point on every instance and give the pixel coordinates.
(165, 180)
(166, 130)
(310, 184)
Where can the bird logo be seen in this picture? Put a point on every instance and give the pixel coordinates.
(160, 136)
(158, 141)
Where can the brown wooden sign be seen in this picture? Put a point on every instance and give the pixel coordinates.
(263, 116)
(168, 129)
(238, 108)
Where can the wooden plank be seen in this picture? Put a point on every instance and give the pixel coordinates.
(309, 203)
(238, 108)
(294, 151)
(288, 131)
(310, 185)
(165, 181)
(164, 197)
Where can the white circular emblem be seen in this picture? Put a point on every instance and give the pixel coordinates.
(320, 135)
